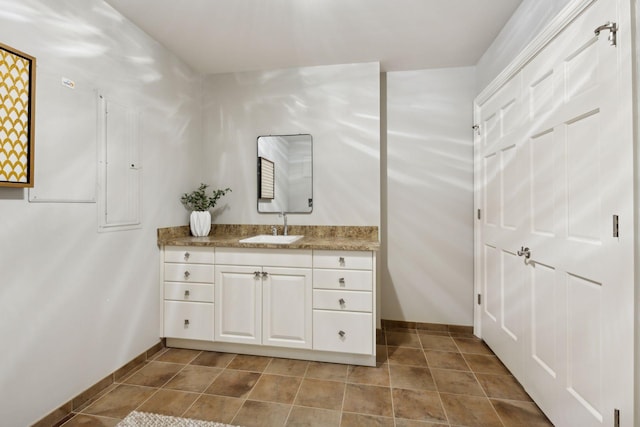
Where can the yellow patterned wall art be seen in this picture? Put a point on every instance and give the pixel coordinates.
(17, 102)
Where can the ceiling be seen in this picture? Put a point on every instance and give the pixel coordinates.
(219, 36)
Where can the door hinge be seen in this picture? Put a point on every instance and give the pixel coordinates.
(616, 418)
(479, 214)
(613, 29)
(476, 128)
(616, 226)
(479, 299)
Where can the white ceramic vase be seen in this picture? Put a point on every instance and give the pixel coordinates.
(200, 223)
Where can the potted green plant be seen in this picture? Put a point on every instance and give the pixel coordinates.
(199, 203)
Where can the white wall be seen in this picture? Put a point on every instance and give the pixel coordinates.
(75, 304)
(525, 23)
(428, 238)
(339, 105)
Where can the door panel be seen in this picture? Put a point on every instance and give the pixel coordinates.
(551, 180)
(238, 304)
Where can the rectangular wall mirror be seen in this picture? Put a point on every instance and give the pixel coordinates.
(285, 173)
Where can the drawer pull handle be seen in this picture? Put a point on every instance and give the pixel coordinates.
(186, 256)
(341, 260)
(341, 301)
(186, 293)
(342, 334)
(341, 281)
(186, 322)
(187, 274)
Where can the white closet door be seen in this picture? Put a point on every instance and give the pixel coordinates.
(562, 321)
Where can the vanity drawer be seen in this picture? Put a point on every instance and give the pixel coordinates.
(189, 254)
(188, 292)
(188, 320)
(342, 300)
(343, 279)
(356, 260)
(343, 331)
(202, 273)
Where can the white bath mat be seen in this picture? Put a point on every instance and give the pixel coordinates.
(147, 419)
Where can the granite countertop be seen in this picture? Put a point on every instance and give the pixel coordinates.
(348, 238)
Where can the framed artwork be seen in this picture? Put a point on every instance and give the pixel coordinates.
(17, 112)
(267, 179)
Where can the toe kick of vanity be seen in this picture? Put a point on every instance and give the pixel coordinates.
(312, 304)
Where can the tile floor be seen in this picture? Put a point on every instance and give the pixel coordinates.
(422, 378)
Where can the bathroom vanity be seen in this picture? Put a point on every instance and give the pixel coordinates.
(312, 299)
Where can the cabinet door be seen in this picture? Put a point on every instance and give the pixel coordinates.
(287, 311)
(238, 299)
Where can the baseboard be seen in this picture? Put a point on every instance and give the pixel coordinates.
(438, 327)
(62, 414)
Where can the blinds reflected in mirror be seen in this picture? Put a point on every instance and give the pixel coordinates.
(267, 178)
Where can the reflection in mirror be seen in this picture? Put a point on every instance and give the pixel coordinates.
(285, 173)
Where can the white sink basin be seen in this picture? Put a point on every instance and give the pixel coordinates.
(270, 239)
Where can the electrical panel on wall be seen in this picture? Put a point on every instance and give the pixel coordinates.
(118, 167)
(66, 140)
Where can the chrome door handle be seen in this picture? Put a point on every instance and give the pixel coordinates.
(342, 334)
(256, 274)
(187, 274)
(524, 251)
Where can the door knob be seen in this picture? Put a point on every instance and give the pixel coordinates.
(524, 251)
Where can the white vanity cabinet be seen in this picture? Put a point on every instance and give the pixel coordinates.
(187, 292)
(343, 301)
(264, 296)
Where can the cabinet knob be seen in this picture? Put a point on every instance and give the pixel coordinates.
(187, 274)
(186, 293)
(265, 274)
(341, 260)
(341, 281)
(186, 256)
(256, 274)
(342, 334)
(186, 322)
(341, 301)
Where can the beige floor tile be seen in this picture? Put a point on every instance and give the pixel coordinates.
(83, 420)
(372, 375)
(262, 414)
(403, 339)
(485, 364)
(446, 360)
(214, 408)
(421, 405)
(301, 416)
(411, 377)
(472, 345)
(169, 402)
(233, 383)
(437, 342)
(367, 399)
(213, 359)
(120, 401)
(361, 420)
(154, 374)
(276, 388)
(406, 356)
(502, 387)
(177, 355)
(320, 394)
(381, 354)
(470, 411)
(246, 362)
(516, 414)
(193, 378)
(327, 371)
(296, 368)
(401, 422)
(456, 382)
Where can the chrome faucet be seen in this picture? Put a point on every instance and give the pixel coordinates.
(286, 229)
(274, 230)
